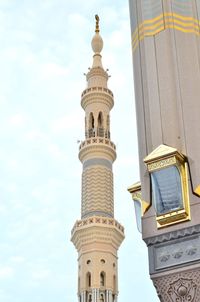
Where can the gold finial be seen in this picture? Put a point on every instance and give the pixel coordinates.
(97, 24)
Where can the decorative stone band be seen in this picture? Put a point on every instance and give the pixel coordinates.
(98, 95)
(96, 71)
(173, 235)
(97, 147)
(97, 213)
(174, 253)
(174, 249)
(151, 27)
(95, 229)
(97, 161)
(97, 220)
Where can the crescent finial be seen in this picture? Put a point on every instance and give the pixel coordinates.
(97, 23)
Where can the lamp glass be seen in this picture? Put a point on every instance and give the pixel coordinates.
(138, 211)
(167, 190)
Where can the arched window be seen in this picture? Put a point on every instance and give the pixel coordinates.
(102, 279)
(114, 284)
(100, 120)
(100, 128)
(108, 122)
(91, 120)
(88, 279)
(91, 125)
(79, 284)
(90, 298)
(107, 132)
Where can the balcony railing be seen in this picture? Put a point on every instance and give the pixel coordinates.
(97, 132)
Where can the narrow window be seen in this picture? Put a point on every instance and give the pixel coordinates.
(102, 279)
(91, 125)
(88, 279)
(100, 120)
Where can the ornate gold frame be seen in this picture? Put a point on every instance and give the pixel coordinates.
(136, 194)
(162, 157)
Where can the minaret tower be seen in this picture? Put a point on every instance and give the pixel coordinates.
(97, 236)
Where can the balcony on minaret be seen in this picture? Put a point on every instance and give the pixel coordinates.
(97, 132)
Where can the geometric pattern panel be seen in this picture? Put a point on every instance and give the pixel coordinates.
(174, 253)
(97, 191)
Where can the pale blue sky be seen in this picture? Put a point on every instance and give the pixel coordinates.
(44, 51)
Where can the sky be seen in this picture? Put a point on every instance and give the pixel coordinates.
(45, 48)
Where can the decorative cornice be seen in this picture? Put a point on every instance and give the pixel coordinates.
(97, 220)
(97, 229)
(88, 90)
(173, 235)
(97, 95)
(94, 145)
(97, 71)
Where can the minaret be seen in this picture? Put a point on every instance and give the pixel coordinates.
(97, 236)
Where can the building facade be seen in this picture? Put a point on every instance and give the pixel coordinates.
(97, 236)
(166, 60)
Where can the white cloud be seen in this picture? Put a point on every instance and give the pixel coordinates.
(35, 135)
(12, 187)
(17, 259)
(55, 151)
(41, 274)
(6, 272)
(18, 120)
(128, 160)
(72, 121)
(50, 70)
(13, 164)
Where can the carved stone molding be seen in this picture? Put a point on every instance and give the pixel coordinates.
(173, 235)
(174, 253)
(180, 287)
(182, 290)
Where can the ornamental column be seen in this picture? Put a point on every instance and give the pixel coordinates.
(166, 56)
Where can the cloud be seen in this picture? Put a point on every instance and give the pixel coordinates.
(6, 272)
(55, 151)
(18, 120)
(35, 135)
(41, 274)
(128, 160)
(17, 259)
(50, 70)
(72, 121)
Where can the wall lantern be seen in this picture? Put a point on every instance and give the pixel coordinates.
(169, 185)
(140, 205)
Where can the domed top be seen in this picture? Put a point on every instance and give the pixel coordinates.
(97, 42)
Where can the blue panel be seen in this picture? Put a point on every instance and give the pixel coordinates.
(167, 190)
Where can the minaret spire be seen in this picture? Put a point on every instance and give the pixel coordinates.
(97, 236)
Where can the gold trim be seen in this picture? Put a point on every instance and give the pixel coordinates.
(151, 27)
(166, 155)
(136, 194)
(197, 190)
(182, 214)
(162, 157)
